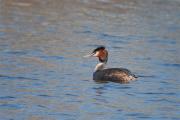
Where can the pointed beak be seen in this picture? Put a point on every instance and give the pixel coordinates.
(90, 55)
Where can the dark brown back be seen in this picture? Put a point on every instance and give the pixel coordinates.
(114, 74)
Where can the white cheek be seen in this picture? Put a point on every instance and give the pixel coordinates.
(97, 54)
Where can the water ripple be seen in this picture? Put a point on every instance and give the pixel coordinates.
(7, 97)
(16, 78)
(176, 65)
(11, 106)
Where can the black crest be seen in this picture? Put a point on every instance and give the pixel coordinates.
(98, 48)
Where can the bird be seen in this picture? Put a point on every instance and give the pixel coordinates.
(121, 75)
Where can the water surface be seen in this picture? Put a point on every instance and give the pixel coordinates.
(43, 75)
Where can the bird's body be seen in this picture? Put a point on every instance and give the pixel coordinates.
(101, 73)
(114, 74)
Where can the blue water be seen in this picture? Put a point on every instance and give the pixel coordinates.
(43, 75)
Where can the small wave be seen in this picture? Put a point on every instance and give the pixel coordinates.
(172, 65)
(146, 76)
(16, 77)
(12, 106)
(44, 95)
(6, 97)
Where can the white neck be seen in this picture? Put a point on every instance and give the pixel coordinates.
(99, 66)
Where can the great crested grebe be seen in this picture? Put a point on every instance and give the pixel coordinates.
(101, 73)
